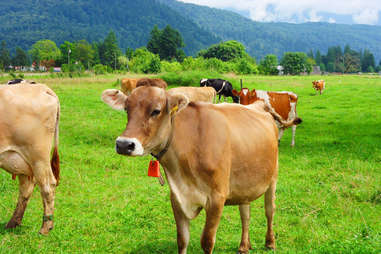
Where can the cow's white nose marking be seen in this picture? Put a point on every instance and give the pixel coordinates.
(139, 150)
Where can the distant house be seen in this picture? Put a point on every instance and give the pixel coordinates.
(280, 69)
(316, 70)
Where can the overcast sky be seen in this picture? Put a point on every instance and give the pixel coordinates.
(340, 11)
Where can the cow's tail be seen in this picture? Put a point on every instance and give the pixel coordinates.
(278, 118)
(55, 161)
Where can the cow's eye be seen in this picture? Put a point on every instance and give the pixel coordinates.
(155, 112)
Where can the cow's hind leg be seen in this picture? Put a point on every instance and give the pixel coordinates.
(26, 187)
(213, 210)
(293, 135)
(182, 226)
(47, 183)
(270, 210)
(281, 131)
(245, 245)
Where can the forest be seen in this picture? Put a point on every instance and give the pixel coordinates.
(26, 22)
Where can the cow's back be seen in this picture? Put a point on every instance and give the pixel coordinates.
(231, 144)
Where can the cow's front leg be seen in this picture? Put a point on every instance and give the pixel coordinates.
(182, 226)
(213, 210)
(245, 245)
(47, 183)
(26, 187)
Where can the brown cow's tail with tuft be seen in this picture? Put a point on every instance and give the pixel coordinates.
(55, 161)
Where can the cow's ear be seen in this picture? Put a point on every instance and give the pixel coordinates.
(177, 102)
(114, 98)
(235, 92)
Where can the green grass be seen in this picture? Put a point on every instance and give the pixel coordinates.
(328, 195)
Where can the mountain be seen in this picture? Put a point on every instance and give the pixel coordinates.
(262, 38)
(25, 22)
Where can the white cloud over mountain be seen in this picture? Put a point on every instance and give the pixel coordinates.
(361, 12)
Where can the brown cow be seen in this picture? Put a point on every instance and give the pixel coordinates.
(282, 106)
(318, 85)
(158, 82)
(29, 117)
(205, 94)
(212, 155)
(128, 84)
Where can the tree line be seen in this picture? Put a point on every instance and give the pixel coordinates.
(164, 53)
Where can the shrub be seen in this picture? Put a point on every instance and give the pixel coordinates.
(100, 69)
(243, 66)
(170, 66)
(144, 61)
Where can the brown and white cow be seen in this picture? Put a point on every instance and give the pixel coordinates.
(282, 106)
(29, 117)
(205, 93)
(129, 84)
(318, 85)
(212, 155)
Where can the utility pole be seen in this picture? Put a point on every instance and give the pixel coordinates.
(68, 58)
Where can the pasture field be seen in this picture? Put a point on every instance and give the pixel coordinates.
(328, 193)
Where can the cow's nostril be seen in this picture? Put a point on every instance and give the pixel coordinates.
(131, 146)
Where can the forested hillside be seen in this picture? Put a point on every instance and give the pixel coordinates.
(261, 39)
(25, 22)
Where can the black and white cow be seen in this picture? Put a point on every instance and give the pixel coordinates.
(222, 87)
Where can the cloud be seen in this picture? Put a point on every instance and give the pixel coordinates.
(366, 16)
(301, 10)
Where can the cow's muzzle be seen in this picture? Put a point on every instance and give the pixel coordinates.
(128, 146)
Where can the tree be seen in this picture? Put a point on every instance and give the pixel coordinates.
(318, 59)
(84, 52)
(45, 53)
(21, 58)
(66, 53)
(367, 61)
(295, 63)
(268, 65)
(225, 51)
(5, 59)
(109, 51)
(167, 43)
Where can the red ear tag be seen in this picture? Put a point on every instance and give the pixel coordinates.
(154, 169)
(13, 176)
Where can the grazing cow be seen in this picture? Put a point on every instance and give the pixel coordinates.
(282, 106)
(19, 81)
(128, 84)
(318, 85)
(158, 82)
(221, 86)
(212, 154)
(29, 117)
(205, 94)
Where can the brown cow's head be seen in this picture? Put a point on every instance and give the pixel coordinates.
(149, 111)
(245, 96)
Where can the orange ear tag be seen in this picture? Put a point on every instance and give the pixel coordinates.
(154, 169)
(13, 176)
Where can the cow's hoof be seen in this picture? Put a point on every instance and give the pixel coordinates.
(270, 245)
(242, 252)
(12, 224)
(46, 227)
(45, 231)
